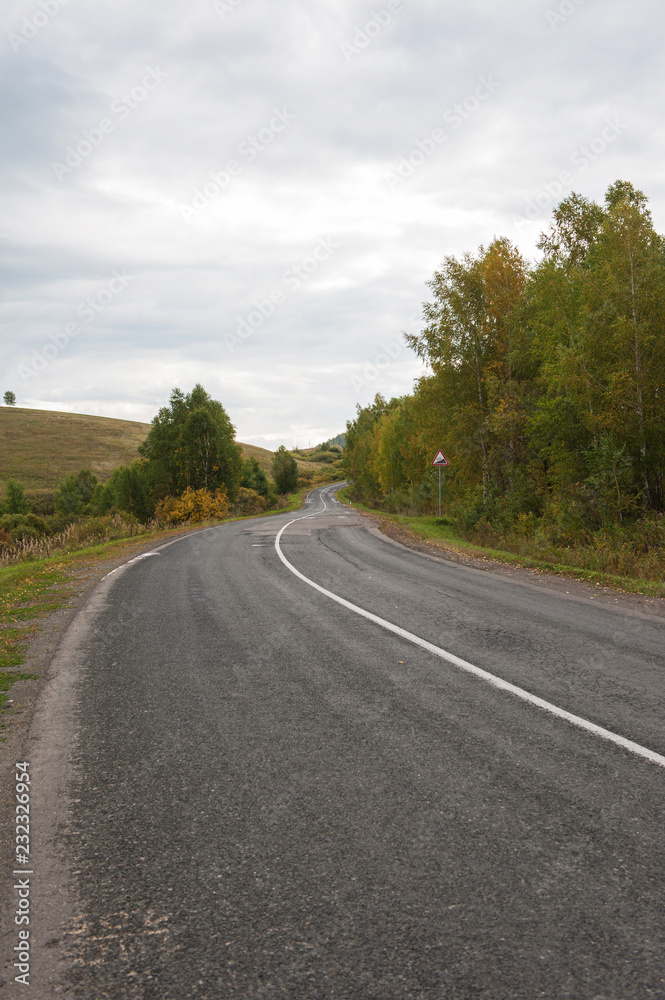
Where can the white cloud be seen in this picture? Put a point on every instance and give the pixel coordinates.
(353, 122)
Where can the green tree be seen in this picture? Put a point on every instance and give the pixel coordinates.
(253, 477)
(472, 343)
(284, 470)
(9, 398)
(74, 493)
(362, 439)
(191, 445)
(126, 490)
(623, 354)
(15, 500)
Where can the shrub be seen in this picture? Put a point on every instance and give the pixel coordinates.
(194, 506)
(15, 501)
(74, 493)
(284, 470)
(23, 525)
(249, 502)
(42, 502)
(254, 478)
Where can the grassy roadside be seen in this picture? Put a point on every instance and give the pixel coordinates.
(31, 590)
(441, 535)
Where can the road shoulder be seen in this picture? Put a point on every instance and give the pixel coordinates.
(558, 582)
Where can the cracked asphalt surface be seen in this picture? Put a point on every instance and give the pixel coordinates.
(244, 790)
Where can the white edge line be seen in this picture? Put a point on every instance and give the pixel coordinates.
(497, 682)
(143, 555)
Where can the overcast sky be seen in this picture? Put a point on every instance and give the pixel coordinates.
(251, 194)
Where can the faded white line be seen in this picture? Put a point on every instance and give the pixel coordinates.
(144, 555)
(497, 682)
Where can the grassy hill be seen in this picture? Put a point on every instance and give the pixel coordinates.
(40, 447)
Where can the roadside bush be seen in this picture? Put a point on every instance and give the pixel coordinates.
(15, 501)
(193, 506)
(127, 490)
(24, 533)
(249, 502)
(74, 493)
(21, 526)
(254, 478)
(56, 523)
(42, 502)
(284, 470)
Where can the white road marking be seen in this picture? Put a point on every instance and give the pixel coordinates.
(144, 555)
(497, 682)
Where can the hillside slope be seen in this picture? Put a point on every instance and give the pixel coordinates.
(40, 447)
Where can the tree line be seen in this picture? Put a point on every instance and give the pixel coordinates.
(545, 385)
(190, 468)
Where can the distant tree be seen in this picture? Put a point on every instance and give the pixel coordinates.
(75, 493)
(253, 477)
(284, 471)
(128, 490)
(15, 500)
(9, 398)
(191, 445)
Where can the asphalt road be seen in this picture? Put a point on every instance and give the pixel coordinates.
(244, 789)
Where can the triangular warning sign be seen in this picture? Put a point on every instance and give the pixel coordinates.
(440, 459)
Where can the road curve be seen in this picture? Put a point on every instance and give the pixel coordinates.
(245, 789)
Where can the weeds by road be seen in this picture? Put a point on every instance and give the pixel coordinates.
(584, 563)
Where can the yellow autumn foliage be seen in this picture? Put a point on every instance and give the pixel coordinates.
(193, 506)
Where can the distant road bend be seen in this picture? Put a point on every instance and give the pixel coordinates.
(306, 762)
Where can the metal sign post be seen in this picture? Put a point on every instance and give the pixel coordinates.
(439, 462)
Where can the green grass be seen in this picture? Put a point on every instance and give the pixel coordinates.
(27, 591)
(442, 534)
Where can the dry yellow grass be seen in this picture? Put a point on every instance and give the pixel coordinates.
(41, 447)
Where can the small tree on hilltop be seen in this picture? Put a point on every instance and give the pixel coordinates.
(9, 398)
(284, 470)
